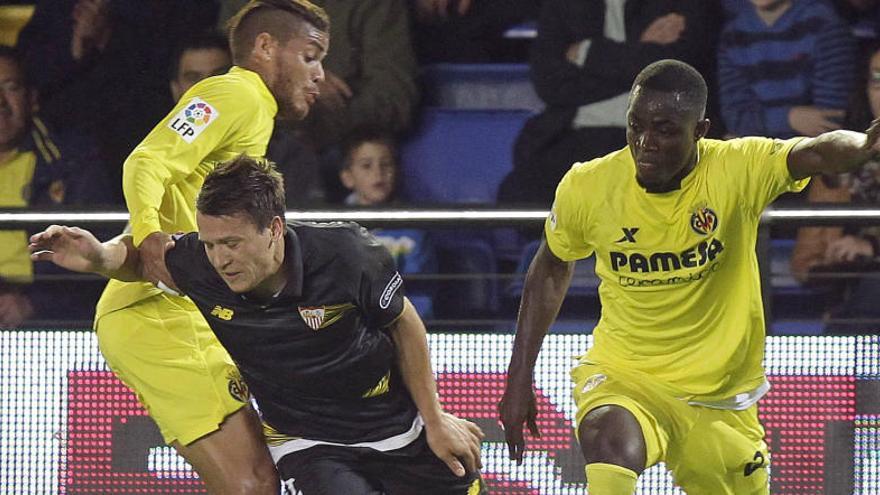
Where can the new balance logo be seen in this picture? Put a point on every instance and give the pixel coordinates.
(629, 235)
(222, 313)
(758, 463)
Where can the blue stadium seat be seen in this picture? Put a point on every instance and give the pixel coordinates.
(584, 282)
(480, 86)
(459, 156)
(475, 295)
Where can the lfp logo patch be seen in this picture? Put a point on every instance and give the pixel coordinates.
(194, 118)
(704, 221)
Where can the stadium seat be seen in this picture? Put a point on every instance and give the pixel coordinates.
(459, 156)
(475, 294)
(480, 86)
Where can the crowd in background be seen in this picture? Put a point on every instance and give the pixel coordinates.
(87, 80)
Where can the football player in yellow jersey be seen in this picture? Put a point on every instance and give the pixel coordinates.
(675, 371)
(157, 343)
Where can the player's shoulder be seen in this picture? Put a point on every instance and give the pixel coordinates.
(234, 88)
(345, 238)
(598, 170)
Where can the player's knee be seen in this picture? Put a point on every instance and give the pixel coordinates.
(611, 434)
(262, 482)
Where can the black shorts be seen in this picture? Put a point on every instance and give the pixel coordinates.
(411, 470)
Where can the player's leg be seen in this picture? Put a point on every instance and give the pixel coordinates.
(621, 428)
(416, 469)
(165, 352)
(327, 470)
(234, 458)
(723, 454)
(614, 448)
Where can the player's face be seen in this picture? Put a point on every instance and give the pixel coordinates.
(371, 173)
(197, 64)
(874, 84)
(298, 70)
(244, 255)
(16, 105)
(661, 137)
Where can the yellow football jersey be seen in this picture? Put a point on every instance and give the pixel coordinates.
(15, 261)
(680, 289)
(217, 119)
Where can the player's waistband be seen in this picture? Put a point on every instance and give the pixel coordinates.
(738, 402)
(391, 443)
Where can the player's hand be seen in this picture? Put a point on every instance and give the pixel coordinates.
(334, 92)
(457, 443)
(518, 405)
(664, 30)
(15, 308)
(91, 27)
(811, 121)
(72, 248)
(849, 249)
(152, 253)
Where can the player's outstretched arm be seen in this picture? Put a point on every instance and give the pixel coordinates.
(546, 283)
(78, 250)
(834, 152)
(455, 441)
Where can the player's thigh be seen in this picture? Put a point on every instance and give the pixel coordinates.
(596, 387)
(416, 469)
(327, 470)
(247, 468)
(164, 350)
(725, 453)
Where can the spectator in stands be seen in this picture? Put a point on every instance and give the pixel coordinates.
(785, 68)
(370, 171)
(370, 77)
(583, 63)
(470, 31)
(851, 249)
(38, 167)
(207, 54)
(100, 66)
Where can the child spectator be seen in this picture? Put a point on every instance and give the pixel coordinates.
(370, 172)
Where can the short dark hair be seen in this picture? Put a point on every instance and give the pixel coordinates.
(675, 76)
(206, 40)
(363, 135)
(247, 185)
(15, 55)
(273, 17)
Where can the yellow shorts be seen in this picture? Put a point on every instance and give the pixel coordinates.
(711, 451)
(162, 348)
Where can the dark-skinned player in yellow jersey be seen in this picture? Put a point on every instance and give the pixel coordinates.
(675, 372)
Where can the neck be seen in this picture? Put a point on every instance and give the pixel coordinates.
(771, 13)
(675, 182)
(275, 283)
(6, 155)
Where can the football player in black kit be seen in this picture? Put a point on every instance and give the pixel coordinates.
(315, 317)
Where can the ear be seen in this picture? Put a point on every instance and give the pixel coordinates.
(34, 100)
(701, 129)
(264, 47)
(277, 227)
(347, 178)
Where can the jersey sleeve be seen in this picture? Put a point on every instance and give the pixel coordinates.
(181, 259)
(566, 225)
(207, 118)
(381, 286)
(766, 175)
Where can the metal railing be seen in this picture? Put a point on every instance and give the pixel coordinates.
(461, 219)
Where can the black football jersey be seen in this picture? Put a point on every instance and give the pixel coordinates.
(318, 357)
